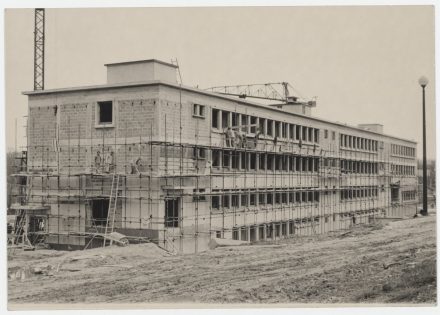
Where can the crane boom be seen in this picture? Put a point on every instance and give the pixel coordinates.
(278, 91)
(39, 50)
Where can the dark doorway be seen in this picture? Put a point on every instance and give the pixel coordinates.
(253, 234)
(100, 212)
(395, 193)
(172, 212)
(261, 232)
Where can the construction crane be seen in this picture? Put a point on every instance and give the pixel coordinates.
(278, 91)
(39, 50)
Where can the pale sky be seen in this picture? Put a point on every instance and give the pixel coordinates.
(363, 63)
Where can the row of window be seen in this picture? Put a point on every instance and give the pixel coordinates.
(267, 127)
(236, 200)
(236, 160)
(358, 143)
(402, 150)
(409, 195)
(359, 167)
(402, 169)
(359, 192)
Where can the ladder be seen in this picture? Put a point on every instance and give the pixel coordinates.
(20, 231)
(111, 213)
(170, 244)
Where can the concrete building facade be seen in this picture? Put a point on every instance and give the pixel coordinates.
(179, 165)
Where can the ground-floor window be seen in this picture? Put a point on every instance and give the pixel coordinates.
(172, 212)
(235, 234)
(100, 212)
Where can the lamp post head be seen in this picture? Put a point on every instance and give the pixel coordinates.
(423, 81)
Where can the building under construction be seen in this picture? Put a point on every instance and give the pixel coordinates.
(151, 159)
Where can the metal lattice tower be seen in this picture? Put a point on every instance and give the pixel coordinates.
(39, 50)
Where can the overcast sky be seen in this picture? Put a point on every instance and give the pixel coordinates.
(362, 63)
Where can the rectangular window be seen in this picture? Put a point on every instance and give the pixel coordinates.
(199, 153)
(262, 199)
(333, 135)
(325, 133)
(172, 213)
(244, 123)
(225, 119)
(262, 161)
(215, 202)
(304, 196)
(310, 162)
(252, 199)
(105, 113)
(253, 161)
(215, 118)
(297, 132)
(277, 198)
(234, 120)
(234, 200)
(235, 158)
(270, 127)
(235, 234)
(270, 162)
(261, 123)
(291, 163)
(244, 200)
(278, 162)
(284, 197)
(277, 129)
(226, 158)
(291, 131)
(216, 157)
(316, 136)
(284, 130)
(243, 163)
(316, 196)
(199, 110)
(225, 201)
(199, 195)
(269, 198)
(253, 124)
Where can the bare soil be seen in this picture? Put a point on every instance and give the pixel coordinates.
(390, 263)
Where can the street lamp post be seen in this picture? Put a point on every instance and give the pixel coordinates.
(423, 81)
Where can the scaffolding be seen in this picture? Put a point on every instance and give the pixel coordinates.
(174, 193)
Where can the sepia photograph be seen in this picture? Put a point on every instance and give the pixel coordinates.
(220, 157)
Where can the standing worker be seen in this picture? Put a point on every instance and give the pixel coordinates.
(230, 137)
(98, 160)
(109, 162)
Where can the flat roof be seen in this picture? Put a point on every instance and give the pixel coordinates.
(198, 91)
(140, 61)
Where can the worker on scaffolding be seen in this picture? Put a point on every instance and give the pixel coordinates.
(230, 137)
(135, 165)
(109, 162)
(257, 136)
(241, 138)
(98, 161)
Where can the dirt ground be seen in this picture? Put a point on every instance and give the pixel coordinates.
(383, 263)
